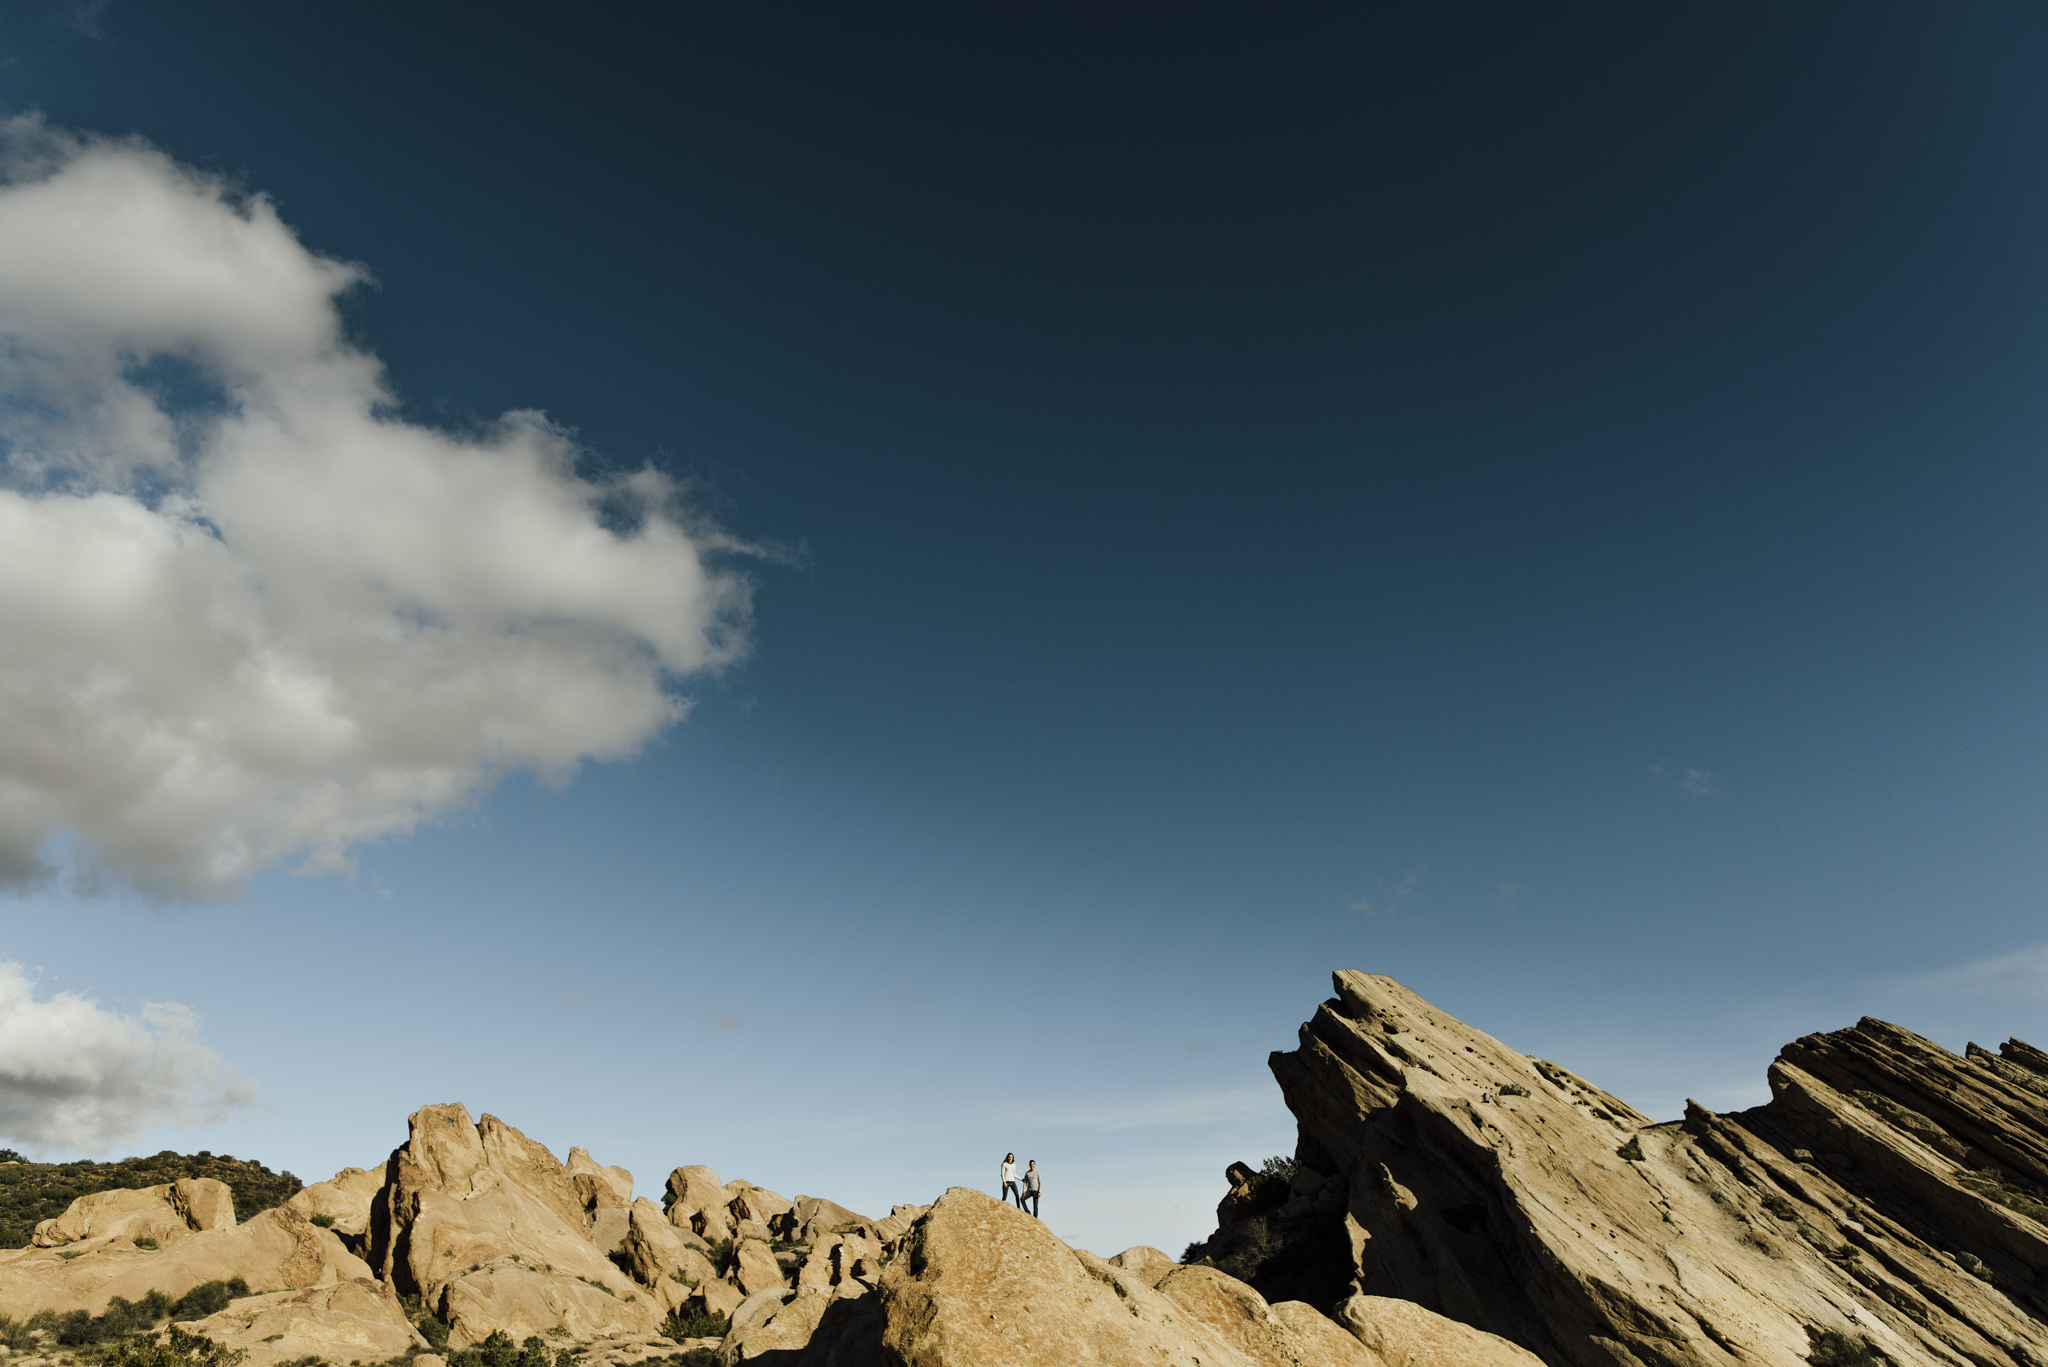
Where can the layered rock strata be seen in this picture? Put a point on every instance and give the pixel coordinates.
(1889, 1193)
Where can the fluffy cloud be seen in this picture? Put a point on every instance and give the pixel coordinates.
(247, 613)
(73, 1076)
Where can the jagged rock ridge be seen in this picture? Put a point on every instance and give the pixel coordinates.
(472, 1230)
(1889, 1192)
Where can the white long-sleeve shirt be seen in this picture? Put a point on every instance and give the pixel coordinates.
(1009, 1172)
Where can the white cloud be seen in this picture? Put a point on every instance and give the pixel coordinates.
(74, 1076)
(247, 613)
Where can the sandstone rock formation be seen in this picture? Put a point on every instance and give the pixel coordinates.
(1890, 1192)
(345, 1199)
(161, 1212)
(493, 1235)
(277, 1250)
(978, 1281)
(491, 1232)
(347, 1322)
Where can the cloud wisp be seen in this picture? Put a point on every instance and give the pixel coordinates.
(2021, 974)
(250, 615)
(76, 1076)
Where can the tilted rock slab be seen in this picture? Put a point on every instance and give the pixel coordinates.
(1511, 1195)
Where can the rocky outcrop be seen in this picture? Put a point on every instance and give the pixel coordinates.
(491, 1232)
(977, 1281)
(352, 1321)
(1888, 1193)
(277, 1250)
(343, 1202)
(162, 1212)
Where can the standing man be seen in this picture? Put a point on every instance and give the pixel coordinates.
(1010, 1192)
(1031, 1184)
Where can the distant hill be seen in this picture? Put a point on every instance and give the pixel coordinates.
(40, 1191)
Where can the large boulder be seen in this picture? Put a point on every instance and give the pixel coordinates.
(668, 1261)
(813, 1216)
(977, 1281)
(276, 1250)
(480, 1221)
(161, 1213)
(345, 1199)
(1147, 1264)
(898, 1222)
(523, 1301)
(747, 1202)
(696, 1202)
(1403, 1334)
(350, 1321)
(599, 1188)
(755, 1268)
(1512, 1195)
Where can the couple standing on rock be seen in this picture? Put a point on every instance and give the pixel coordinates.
(1031, 1183)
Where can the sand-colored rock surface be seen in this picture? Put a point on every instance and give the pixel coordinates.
(492, 1232)
(1508, 1193)
(161, 1212)
(350, 1321)
(1149, 1265)
(344, 1198)
(978, 1282)
(275, 1251)
(1403, 1334)
(696, 1201)
(521, 1301)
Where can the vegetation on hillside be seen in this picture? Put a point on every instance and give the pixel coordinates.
(30, 1192)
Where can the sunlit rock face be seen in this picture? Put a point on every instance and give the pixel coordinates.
(1887, 1193)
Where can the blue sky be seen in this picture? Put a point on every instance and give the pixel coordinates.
(1543, 505)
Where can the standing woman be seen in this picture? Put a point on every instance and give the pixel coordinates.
(1010, 1191)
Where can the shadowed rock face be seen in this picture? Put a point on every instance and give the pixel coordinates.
(1890, 1192)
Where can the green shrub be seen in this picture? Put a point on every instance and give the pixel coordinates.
(177, 1348)
(1632, 1151)
(324, 1221)
(704, 1325)
(67, 1255)
(680, 1276)
(431, 1329)
(147, 1241)
(1254, 1247)
(1993, 1185)
(208, 1298)
(721, 1255)
(1269, 1183)
(499, 1351)
(1830, 1348)
(80, 1329)
(14, 1333)
(1194, 1251)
